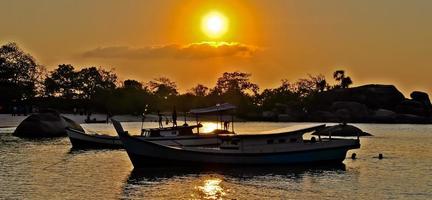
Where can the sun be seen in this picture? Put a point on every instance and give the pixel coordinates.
(214, 24)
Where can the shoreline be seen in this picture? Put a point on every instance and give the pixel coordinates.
(9, 121)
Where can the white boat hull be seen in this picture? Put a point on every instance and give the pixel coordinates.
(81, 140)
(146, 154)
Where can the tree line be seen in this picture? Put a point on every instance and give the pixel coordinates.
(26, 84)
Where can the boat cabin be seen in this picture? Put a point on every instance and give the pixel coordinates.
(170, 131)
(250, 142)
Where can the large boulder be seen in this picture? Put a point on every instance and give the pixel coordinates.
(372, 96)
(413, 107)
(343, 130)
(384, 116)
(412, 119)
(45, 125)
(421, 97)
(323, 116)
(356, 111)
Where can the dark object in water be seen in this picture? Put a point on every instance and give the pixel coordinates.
(380, 156)
(45, 125)
(343, 130)
(353, 156)
(94, 121)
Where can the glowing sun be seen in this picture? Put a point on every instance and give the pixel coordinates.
(214, 25)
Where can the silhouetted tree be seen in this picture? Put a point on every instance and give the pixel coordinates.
(94, 80)
(344, 81)
(132, 84)
(19, 74)
(283, 94)
(163, 87)
(235, 81)
(62, 82)
(199, 90)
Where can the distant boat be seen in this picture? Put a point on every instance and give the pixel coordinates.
(263, 149)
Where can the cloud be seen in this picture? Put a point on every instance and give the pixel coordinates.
(201, 50)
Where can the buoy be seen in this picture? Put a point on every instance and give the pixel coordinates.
(380, 156)
(353, 156)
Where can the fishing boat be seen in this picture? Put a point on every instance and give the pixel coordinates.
(172, 136)
(243, 149)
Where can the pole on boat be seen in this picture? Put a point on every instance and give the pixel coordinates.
(196, 117)
(232, 122)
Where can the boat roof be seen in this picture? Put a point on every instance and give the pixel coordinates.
(213, 109)
(173, 128)
(281, 132)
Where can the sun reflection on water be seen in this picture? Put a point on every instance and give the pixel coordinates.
(209, 127)
(211, 189)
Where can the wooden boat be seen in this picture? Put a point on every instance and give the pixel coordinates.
(164, 136)
(269, 149)
(172, 136)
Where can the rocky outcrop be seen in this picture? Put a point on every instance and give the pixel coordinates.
(350, 110)
(364, 104)
(372, 96)
(45, 125)
(383, 116)
(421, 97)
(343, 130)
(319, 115)
(413, 107)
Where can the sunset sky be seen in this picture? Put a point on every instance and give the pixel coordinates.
(385, 41)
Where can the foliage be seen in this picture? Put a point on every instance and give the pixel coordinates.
(19, 73)
(96, 89)
(163, 87)
(199, 90)
(344, 81)
(232, 82)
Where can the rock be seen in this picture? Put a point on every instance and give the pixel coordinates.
(411, 119)
(323, 116)
(269, 114)
(413, 107)
(72, 124)
(421, 97)
(344, 115)
(287, 118)
(383, 116)
(372, 96)
(341, 130)
(44, 125)
(356, 111)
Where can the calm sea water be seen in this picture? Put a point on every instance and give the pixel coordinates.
(48, 169)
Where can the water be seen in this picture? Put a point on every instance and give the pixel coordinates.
(48, 169)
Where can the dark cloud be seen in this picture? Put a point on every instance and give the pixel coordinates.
(191, 51)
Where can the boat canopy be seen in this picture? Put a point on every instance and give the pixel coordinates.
(213, 109)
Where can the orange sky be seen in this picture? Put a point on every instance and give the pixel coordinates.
(386, 41)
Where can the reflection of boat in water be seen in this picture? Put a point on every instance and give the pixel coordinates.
(206, 182)
(241, 171)
(254, 149)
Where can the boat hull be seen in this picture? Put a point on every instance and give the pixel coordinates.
(81, 140)
(84, 141)
(146, 154)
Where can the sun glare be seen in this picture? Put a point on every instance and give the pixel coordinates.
(214, 25)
